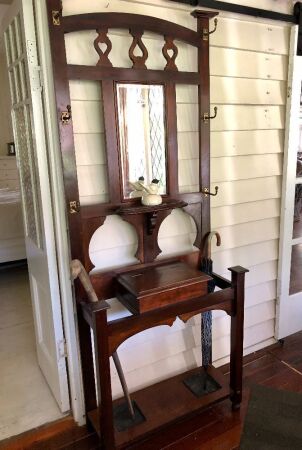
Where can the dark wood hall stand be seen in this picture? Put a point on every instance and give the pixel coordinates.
(170, 400)
(168, 288)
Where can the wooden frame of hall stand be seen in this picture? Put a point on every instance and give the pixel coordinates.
(153, 401)
(167, 403)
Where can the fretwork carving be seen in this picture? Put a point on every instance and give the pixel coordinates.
(138, 61)
(169, 45)
(102, 38)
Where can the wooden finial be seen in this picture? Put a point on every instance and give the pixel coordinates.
(201, 14)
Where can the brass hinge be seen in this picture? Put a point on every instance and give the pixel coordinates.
(74, 207)
(206, 117)
(62, 345)
(66, 115)
(56, 18)
(205, 34)
(289, 91)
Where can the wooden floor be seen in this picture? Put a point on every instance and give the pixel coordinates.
(217, 428)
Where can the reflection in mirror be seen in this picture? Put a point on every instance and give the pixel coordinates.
(141, 136)
(295, 270)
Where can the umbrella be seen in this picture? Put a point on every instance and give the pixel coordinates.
(206, 317)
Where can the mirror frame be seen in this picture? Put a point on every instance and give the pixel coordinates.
(85, 220)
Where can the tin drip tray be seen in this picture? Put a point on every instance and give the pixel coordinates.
(201, 383)
(123, 419)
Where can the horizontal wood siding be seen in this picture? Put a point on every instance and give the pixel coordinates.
(248, 66)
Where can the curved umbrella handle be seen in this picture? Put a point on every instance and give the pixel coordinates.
(209, 240)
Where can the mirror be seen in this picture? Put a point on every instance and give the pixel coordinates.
(142, 137)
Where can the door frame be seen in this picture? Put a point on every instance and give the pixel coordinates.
(289, 307)
(47, 251)
(59, 214)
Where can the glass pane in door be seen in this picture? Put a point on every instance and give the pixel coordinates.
(299, 155)
(296, 270)
(297, 222)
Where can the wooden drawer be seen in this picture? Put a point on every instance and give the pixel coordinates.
(156, 287)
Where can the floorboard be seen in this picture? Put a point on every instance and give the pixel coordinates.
(217, 428)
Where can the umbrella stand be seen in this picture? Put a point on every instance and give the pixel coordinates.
(203, 383)
(206, 317)
(78, 270)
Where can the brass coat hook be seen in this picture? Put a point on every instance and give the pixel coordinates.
(206, 191)
(206, 33)
(206, 116)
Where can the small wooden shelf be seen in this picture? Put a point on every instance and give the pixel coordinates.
(167, 402)
(142, 209)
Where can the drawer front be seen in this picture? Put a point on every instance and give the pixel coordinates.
(10, 184)
(172, 296)
(160, 299)
(7, 163)
(9, 174)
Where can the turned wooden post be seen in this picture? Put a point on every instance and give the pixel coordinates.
(237, 321)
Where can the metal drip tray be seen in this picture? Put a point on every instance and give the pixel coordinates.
(123, 419)
(201, 384)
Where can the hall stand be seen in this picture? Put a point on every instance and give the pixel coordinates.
(156, 292)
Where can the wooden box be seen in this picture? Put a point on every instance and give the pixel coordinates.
(159, 286)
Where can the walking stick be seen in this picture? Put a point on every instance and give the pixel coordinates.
(78, 271)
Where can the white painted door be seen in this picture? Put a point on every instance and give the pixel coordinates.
(289, 303)
(31, 148)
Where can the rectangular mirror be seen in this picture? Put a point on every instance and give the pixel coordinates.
(142, 136)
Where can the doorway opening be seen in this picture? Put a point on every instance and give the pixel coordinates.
(289, 302)
(295, 285)
(33, 388)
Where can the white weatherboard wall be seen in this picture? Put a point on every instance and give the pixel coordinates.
(248, 67)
